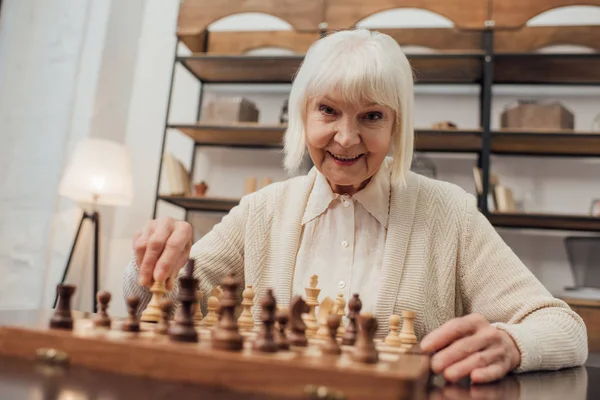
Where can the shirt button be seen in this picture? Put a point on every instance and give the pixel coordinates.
(346, 203)
(341, 284)
(345, 243)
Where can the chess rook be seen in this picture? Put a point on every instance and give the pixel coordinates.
(226, 335)
(63, 318)
(407, 335)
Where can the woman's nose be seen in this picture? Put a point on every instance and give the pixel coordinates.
(347, 134)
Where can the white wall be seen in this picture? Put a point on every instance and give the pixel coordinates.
(109, 75)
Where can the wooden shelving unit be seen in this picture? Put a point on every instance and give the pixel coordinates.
(562, 144)
(580, 223)
(201, 203)
(489, 45)
(264, 136)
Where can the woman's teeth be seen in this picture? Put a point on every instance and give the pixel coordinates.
(345, 158)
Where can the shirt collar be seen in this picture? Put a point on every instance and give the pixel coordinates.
(375, 197)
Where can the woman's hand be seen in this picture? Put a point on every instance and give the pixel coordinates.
(470, 346)
(161, 249)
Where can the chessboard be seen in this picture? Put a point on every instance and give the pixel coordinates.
(281, 355)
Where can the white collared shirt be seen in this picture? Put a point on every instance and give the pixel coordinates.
(343, 239)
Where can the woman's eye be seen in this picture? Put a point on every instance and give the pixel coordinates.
(326, 109)
(374, 116)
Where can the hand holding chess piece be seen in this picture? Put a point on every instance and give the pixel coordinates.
(161, 249)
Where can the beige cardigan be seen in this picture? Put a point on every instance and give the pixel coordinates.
(442, 259)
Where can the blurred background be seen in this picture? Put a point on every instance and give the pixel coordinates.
(145, 108)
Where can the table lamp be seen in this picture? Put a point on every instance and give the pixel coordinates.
(99, 173)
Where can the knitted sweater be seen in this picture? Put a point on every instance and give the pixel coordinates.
(443, 259)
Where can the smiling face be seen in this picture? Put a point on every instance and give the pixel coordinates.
(348, 141)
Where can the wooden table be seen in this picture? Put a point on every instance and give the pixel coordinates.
(25, 380)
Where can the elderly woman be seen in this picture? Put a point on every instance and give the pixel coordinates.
(364, 223)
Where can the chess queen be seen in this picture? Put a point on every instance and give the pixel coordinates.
(364, 223)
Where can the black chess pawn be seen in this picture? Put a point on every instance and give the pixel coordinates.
(297, 336)
(182, 329)
(282, 317)
(63, 318)
(331, 345)
(132, 323)
(265, 341)
(225, 334)
(166, 307)
(103, 319)
(354, 307)
(364, 348)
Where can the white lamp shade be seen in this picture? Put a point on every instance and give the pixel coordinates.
(100, 173)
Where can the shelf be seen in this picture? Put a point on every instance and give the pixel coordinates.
(449, 140)
(546, 221)
(249, 135)
(546, 68)
(449, 67)
(238, 135)
(559, 143)
(202, 203)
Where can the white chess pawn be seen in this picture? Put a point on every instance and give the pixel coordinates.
(245, 321)
(393, 337)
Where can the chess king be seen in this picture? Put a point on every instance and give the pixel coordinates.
(364, 223)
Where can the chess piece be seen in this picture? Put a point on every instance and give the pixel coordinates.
(354, 307)
(197, 309)
(102, 320)
(182, 329)
(212, 308)
(331, 346)
(297, 335)
(152, 311)
(265, 341)
(325, 308)
(364, 348)
(407, 335)
(392, 339)
(62, 318)
(312, 300)
(166, 307)
(339, 307)
(282, 317)
(245, 321)
(226, 335)
(131, 324)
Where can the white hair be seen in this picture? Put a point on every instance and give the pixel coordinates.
(360, 65)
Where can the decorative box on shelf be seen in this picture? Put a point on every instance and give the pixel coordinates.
(230, 109)
(536, 115)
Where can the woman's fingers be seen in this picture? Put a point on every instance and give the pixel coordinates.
(175, 252)
(464, 347)
(480, 359)
(154, 248)
(489, 373)
(451, 331)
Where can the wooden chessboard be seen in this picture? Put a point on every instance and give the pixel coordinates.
(301, 372)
